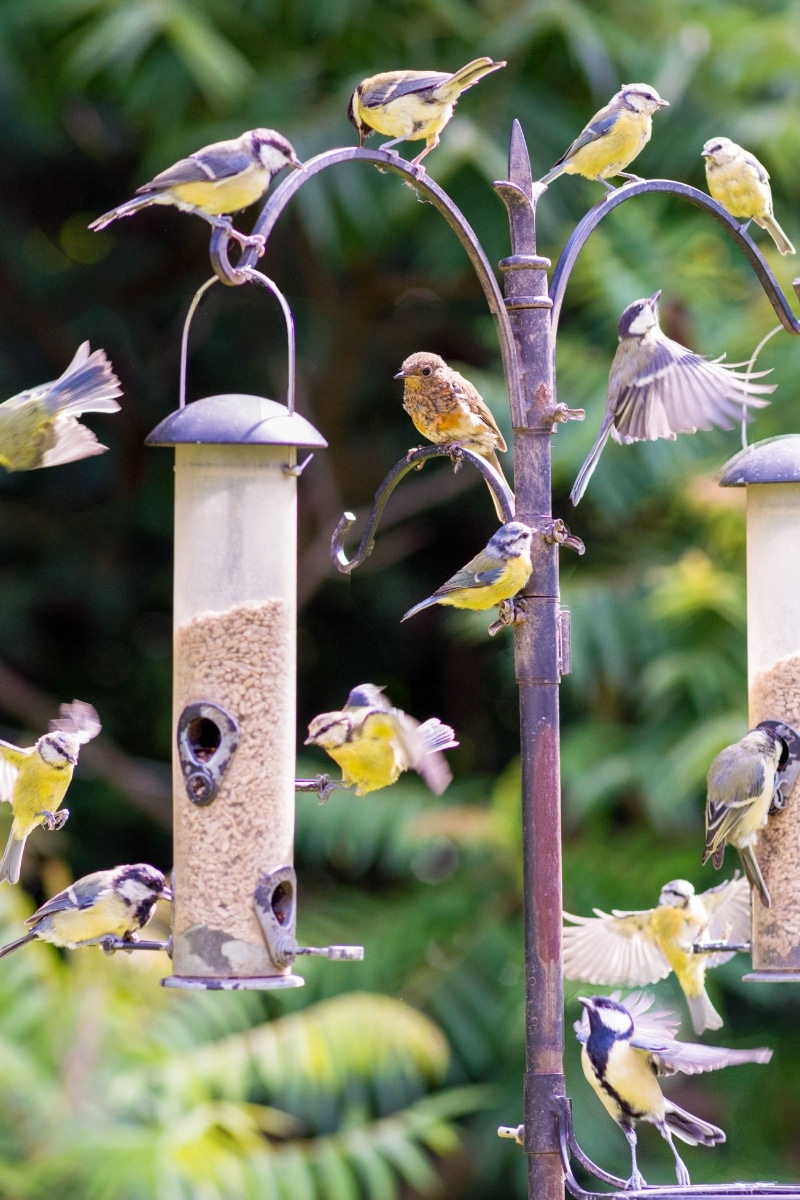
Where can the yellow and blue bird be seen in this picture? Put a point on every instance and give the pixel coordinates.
(40, 427)
(613, 137)
(630, 949)
(625, 1048)
(741, 785)
(740, 183)
(374, 743)
(217, 180)
(412, 105)
(114, 903)
(501, 570)
(34, 780)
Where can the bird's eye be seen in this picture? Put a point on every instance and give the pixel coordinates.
(426, 370)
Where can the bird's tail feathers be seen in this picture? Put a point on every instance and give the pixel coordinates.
(753, 873)
(123, 210)
(12, 946)
(419, 607)
(587, 470)
(472, 73)
(704, 1015)
(88, 385)
(11, 862)
(689, 1128)
(776, 233)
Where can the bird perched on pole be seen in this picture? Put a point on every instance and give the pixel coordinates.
(40, 427)
(496, 574)
(613, 137)
(446, 408)
(412, 105)
(34, 781)
(741, 784)
(739, 182)
(625, 1048)
(115, 903)
(374, 743)
(657, 389)
(639, 947)
(217, 180)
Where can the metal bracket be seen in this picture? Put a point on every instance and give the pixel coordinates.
(789, 768)
(110, 945)
(275, 903)
(564, 641)
(323, 785)
(208, 738)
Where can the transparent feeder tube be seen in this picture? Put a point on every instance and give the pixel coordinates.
(773, 656)
(234, 646)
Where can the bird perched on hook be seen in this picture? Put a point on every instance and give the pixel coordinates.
(446, 408)
(40, 427)
(625, 1048)
(741, 784)
(657, 389)
(115, 903)
(739, 182)
(495, 575)
(613, 137)
(374, 743)
(219, 179)
(640, 947)
(412, 105)
(34, 781)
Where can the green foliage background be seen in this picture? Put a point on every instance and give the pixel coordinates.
(104, 1090)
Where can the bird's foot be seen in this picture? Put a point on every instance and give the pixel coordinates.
(744, 228)
(54, 820)
(248, 241)
(418, 466)
(510, 612)
(636, 1182)
(608, 186)
(456, 453)
(631, 178)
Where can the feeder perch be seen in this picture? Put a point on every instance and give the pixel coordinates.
(770, 470)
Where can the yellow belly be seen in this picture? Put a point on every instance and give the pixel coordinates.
(109, 917)
(613, 152)
(628, 1073)
(223, 195)
(38, 788)
(372, 759)
(407, 117)
(515, 576)
(675, 931)
(739, 191)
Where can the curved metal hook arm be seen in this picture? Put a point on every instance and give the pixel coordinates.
(278, 200)
(415, 459)
(595, 215)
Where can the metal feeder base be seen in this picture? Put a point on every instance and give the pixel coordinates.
(233, 983)
(778, 976)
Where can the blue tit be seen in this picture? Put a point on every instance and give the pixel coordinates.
(412, 105)
(501, 569)
(625, 1048)
(115, 903)
(222, 178)
(739, 182)
(640, 947)
(374, 743)
(34, 781)
(657, 389)
(741, 784)
(613, 137)
(40, 427)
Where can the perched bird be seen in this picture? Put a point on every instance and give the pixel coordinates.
(219, 179)
(625, 1047)
(657, 389)
(739, 182)
(374, 743)
(34, 781)
(613, 137)
(500, 570)
(446, 408)
(113, 903)
(412, 105)
(40, 427)
(639, 947)
(741, 783)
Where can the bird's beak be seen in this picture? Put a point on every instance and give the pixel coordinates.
(653, 301)
(308, 741)
(295, 163)
(401, 375)
(585, 1002)
(705, 153)
(663, 104)
(166, 894)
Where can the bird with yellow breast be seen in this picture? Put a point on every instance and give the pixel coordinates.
(740, 183)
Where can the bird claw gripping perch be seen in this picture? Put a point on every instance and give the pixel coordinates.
(52, 821)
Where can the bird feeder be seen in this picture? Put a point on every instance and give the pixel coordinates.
(770, 470)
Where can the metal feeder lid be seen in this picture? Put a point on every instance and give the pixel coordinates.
(775, 460)
(238, 420)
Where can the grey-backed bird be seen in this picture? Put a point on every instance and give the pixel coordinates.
(740, 183)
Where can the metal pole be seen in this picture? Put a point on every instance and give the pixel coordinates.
(538, 672)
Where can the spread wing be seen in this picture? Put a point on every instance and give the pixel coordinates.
(691, 1058)
(79, 895)
(422, 746)
(78, 718)
(11, 759)
(728, 908)
(613, 948)
(679, 391)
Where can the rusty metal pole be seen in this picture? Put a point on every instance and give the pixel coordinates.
(538, 672)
